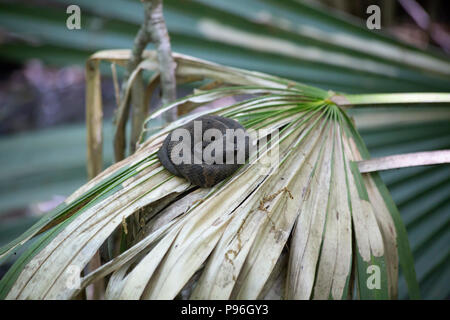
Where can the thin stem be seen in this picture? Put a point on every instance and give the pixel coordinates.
(152, 29)
(404, 161)
(160, 37)
(391, 98)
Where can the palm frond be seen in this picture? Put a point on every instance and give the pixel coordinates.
(311, 211)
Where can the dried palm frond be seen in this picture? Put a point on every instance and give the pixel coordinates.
(308, 225)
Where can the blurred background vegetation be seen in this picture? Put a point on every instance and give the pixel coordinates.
(322, 43)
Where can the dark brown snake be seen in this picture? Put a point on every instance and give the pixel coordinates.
(203, 174)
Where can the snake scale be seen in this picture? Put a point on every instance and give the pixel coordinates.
(202, 173)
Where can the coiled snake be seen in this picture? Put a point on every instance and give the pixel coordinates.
(206, 173)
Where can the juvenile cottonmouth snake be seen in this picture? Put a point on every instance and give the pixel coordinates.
(202, 173)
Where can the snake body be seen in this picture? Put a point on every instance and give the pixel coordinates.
(203, 174)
